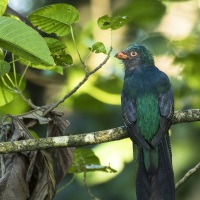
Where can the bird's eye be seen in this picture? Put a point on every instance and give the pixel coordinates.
(133, 53)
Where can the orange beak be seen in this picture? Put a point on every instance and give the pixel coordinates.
(121, 56)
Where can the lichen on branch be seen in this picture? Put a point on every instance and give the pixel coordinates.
(86, 138)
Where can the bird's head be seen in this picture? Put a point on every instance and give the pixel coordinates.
(135, 56)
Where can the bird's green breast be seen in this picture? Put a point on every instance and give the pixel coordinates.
(147, 115)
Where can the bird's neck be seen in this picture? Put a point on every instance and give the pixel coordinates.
(137, 69)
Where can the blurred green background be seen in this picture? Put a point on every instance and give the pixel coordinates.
(171, 30)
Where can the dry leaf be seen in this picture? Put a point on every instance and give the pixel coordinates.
(12, 183)
(63, 156)
(33, 175)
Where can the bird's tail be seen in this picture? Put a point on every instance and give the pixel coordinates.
(155, 178)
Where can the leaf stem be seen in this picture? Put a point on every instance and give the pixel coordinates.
(66, 185)
(23, 74)
(10, 88)
(8, 77)
(14, 70)
(79, 55)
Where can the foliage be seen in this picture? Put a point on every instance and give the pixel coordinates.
(20, 39)
(56, 18)
(3, 5)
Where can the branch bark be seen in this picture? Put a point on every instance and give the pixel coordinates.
(188, 175)
(86, 138)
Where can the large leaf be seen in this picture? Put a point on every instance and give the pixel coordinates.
(23, 41)
(3, 5)
(55, 18)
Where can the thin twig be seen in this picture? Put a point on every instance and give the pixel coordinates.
(66, 185)
(187, 176)
(87, 75)
(28, 101)
(87, 188)
(79, 55)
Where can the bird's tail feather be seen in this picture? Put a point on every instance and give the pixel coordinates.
(165, 172)
(157, 183)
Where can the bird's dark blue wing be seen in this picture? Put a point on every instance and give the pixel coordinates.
(129, 115)
(166, 107)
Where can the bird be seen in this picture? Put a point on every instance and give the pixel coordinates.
(147, 103)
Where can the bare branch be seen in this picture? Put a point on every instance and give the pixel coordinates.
(63, 141)
(87, 75)
(28, 101)
(184, 116)
(188, 175)
(86, 138)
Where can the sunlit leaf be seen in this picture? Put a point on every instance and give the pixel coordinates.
(1, 54)
(55, 18)
(12, 16)
(104, 22)
(4, 67)
(3, 5)
(6, 93)
(114, 23)
(85, 161)
(23, 41)
(98, 47)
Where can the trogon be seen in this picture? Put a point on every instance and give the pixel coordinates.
(147, 107)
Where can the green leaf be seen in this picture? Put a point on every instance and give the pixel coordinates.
(7, 95)
(55, 18)
(1, 54)
(23, 41)
(3, 5)
(57, 49)
(104, 22)
(98, 47)
(114, 23)
(64, 59)
(55, 45)
(4, 67)
(86, 161)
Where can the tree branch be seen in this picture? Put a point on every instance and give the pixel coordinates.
(86, 138)
(87, 75)
(188, 175)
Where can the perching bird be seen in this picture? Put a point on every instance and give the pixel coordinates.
(147, 108)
